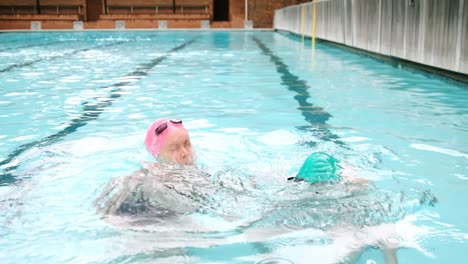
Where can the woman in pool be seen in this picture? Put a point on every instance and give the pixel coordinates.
(169, 142)
(159, 189)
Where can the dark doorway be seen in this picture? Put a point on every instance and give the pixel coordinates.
(221, 10)
(93, 10)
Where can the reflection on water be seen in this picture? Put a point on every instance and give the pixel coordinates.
(189, 208)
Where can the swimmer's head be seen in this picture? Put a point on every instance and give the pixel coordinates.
(168, 141)
(319, 167)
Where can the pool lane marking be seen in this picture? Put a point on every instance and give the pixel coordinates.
(90, 111)
(14, 66)
(314, 115)
(33, 45)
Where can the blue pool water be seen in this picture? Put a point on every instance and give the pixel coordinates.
(74, 108)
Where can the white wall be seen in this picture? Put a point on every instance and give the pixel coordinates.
(432, 32)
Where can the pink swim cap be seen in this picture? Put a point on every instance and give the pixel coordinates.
(154, 142)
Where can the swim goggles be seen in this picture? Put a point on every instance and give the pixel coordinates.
(163, 126)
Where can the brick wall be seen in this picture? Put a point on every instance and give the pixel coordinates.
(236, 10)
(262, 11)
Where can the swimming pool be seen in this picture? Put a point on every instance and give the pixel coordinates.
(75, 106)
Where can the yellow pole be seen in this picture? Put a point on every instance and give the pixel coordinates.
(314, 16)
(312, 36)
(302, 22)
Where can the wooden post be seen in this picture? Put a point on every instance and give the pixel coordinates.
(246, 10)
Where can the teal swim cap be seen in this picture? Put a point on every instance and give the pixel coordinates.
(319, 167)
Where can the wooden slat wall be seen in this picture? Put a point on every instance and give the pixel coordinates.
(138, 2)
(62, 2)
(17, 2)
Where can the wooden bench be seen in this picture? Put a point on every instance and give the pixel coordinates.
(18, 7)
(202, 5)
(132, 8)
(160, 16)
(133, 5)
(37, 17)
(192, 7)
(77, 5)
(156, 5)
